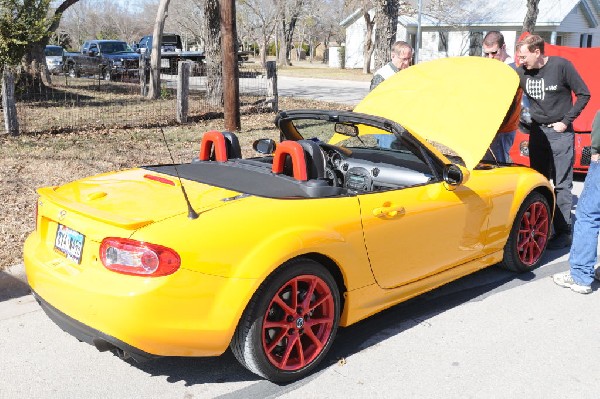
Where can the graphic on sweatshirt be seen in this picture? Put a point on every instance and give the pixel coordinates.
(535, 88)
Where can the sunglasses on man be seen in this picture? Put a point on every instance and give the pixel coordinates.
(492, 53)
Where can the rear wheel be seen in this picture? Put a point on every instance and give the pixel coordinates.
(289, 325)
(529, 235)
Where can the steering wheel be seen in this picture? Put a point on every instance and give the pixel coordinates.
(330, 174)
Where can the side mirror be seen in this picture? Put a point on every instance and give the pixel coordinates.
(264, 146)
(455, 175)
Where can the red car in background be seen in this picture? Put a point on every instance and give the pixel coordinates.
(586, 61)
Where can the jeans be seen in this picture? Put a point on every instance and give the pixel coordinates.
(584, 249)
(553, 155)
(500, 147)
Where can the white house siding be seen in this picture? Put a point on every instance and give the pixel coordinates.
(355, 42)
(509, 17)
(574, 24)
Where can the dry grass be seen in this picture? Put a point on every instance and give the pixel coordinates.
(31, 161)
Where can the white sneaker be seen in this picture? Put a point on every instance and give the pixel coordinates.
(565, 279)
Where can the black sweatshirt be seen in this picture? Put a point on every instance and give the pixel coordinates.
(549, 90)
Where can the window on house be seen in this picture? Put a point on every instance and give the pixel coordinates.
(443, 41)
(585, 40)
(475, 41)
(559, 40)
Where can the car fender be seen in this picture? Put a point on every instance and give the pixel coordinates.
(263, 243)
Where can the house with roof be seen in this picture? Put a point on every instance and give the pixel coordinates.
(460, 30)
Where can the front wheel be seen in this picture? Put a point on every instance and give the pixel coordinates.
(529, 235)
(289, 325)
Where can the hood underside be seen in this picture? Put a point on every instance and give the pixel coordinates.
(459, 102)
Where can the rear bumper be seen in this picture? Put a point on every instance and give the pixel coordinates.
(87, 334)
(184, 314)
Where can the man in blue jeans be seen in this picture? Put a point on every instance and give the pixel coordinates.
(584, 254)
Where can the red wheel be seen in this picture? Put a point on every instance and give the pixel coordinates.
(298, 322)
(529, 235)
(533, 233)
(290, 323)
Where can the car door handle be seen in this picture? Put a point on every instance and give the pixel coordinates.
(389, 211)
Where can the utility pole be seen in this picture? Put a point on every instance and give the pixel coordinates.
(231, 82)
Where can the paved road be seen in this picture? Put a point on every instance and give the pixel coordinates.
(493, 334)
(346, 92)
(340, 91)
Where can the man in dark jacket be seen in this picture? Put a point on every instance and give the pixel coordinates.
(549, 83)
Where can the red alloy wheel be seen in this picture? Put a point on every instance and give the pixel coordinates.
(298, 322)
(533, 233)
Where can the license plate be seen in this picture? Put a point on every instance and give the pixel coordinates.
(69, 243)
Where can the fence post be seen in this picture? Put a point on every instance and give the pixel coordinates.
(272, 96)
(9, 106)
(183, 90)
(143, 72)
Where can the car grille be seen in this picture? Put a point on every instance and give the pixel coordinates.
(131, 64)
(586, 156)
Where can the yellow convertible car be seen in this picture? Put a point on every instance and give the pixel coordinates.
(270, 255)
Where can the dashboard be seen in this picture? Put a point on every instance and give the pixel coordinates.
(365, 170)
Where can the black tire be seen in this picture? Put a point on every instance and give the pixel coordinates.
(529, 235)
(299, 338)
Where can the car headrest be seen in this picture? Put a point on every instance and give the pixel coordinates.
(293, 150)
(219, 146)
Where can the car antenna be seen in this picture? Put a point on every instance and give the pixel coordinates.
(192, 214)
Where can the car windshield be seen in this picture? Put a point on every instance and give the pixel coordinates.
(53, 51)
(115, 47)
(357, 134)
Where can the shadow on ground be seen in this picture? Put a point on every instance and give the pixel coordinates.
(12, 287)
(358, 337)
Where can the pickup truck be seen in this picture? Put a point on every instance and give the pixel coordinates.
(108, 58)
(171, 52)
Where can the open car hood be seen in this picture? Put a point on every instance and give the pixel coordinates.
(459, 102)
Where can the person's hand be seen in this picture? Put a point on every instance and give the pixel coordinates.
(559, 127)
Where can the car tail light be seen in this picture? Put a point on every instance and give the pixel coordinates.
(123, 255)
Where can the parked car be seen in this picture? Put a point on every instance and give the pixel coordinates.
(270, 255)
(107, 58)
(585, 61)
(54, 58)
(171, 53)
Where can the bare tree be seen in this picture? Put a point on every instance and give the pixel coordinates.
(531, 16)
(214, 72)
(108, 20)
(386, 20)
(186, 17)
(289, 11)
(260, 17)
(159, 25)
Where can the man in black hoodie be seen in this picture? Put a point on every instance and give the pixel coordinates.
(549, 83)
